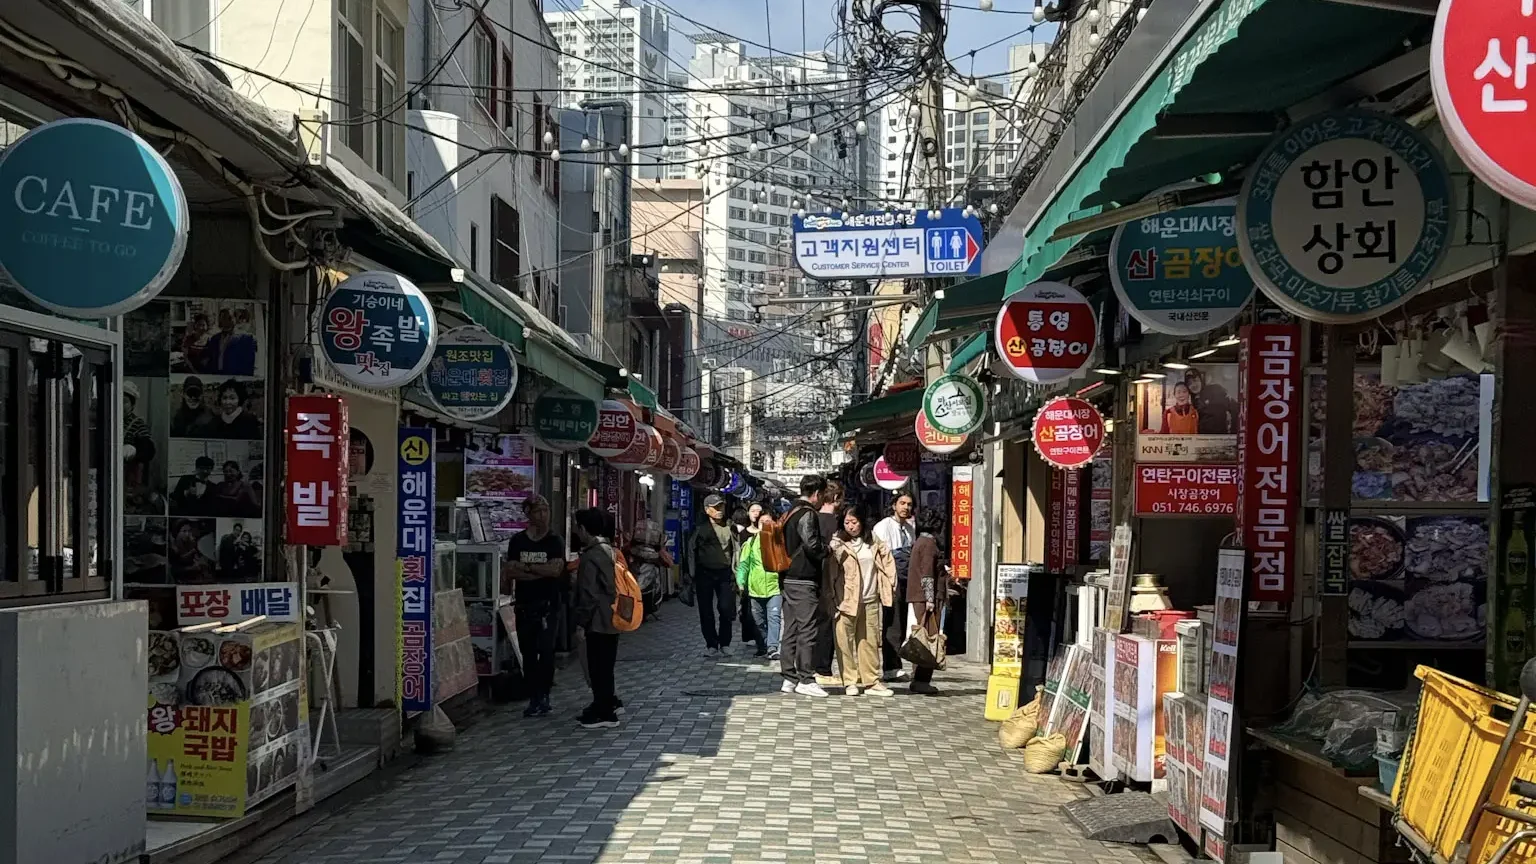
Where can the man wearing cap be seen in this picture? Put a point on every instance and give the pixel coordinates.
(711, 555)
(190, 490)
(534, 568)
(191, 414)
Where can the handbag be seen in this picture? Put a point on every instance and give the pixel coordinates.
(685, 593)
(922, 649)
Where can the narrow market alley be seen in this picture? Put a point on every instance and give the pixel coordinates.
(713, 764)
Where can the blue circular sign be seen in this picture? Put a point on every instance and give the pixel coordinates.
(377, 330)
(1344, 215)
(1181, 272)
(472, 375)
(93, 222)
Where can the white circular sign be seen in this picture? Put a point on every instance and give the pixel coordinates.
(1046, 333)
(377, 330)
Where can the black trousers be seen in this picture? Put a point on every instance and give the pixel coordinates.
(894, 618)
(536, 638)
(716, 592)
(826, 641)
(602, 653)
(797, 640)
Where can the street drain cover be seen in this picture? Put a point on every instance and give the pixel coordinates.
(1129, 817)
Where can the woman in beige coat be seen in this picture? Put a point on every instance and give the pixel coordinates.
(865, 574)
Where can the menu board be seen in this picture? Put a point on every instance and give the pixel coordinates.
(1119, 579)
(1215, 788)
(499, 473)
(1100, 725)
(453, 655)
(1136, 707)
(1071, 696)
(1011, 603)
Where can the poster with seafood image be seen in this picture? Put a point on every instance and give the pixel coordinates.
(1012, 601)
(1428, 443)
(1190, 415)
(499, 473)
(1418, 578)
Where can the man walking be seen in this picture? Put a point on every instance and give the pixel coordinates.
(826, 611)
(534, 568)
(802, 589)
(711, 553)
(897, 531)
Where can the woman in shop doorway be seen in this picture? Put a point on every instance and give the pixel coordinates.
(596, 591)
(927, 588)
(1181, 418)
(866, 580)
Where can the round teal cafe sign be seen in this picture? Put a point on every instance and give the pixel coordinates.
(93, 222)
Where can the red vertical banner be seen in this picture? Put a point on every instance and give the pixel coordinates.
(318, 455)
(1269, 457)
(1072, 516)
(1056, 524)
(962, 510)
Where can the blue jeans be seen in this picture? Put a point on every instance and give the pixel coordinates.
(765, 612)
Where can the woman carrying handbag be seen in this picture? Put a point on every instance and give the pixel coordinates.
(926, 593)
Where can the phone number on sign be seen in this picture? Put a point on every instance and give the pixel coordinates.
(1192, 508)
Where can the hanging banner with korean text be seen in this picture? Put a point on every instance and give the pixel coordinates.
(1064, 522)
(1220, 720)
(473, 375)
(954, 405)
(617, 430)
(962, 509)
(1345, 215)
(1068, 432)
(564, 422)
(933, 440)
(1334, 552)
(414, 539)
(1185, 490)
(232, 604)
(884, 244)
(1181, 272)
(1479, 61)
(377, 330)
(688, 464)
(1046, 333)
(318, 448)
(1269, 462)
(903, 457)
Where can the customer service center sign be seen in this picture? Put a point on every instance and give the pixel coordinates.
(886, 244)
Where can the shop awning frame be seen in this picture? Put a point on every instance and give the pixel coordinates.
(880, 409)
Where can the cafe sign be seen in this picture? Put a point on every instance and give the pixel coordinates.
(954, 405)
(1181, 272)
(1345, 215)
(93, 221)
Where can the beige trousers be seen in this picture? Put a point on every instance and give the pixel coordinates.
(858, 646)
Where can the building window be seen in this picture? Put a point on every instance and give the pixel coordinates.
(474, 247)
(387, 48)
(352, 77)
(508, 104)
(506, 244)
(485, 66)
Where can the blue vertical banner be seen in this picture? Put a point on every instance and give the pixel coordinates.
(414, 545)
(685, 503)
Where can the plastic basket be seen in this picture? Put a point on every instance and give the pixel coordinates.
(1386, 768)
(1455, 742)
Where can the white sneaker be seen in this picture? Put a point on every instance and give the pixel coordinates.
(850, 690)
(789, 686)
(810, 689)
(879, 690)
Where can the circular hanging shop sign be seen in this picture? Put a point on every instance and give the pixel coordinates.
(617, 430)
(634, 456)
(655, 445)
(709, 474)
(93, 222)
(1478, 74)
(1068, 432)
(688, 464)
(1344, 216)
(903, 457)
(887, 478)
(734, 485)
(564, 422)
(1181, 272)
(671, 453)
(473, 375)
(933, 440)
(1045, 333)
(954, 405)
(377, 330)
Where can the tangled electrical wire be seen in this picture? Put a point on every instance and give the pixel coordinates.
(900, 51)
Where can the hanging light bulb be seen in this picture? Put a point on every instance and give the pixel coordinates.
(549, 138)
(812, 139)
(607, 173)
(586, 145)
(794, 202)
(554, 155)
(802, 212)
(972, 91)
(1094, 38)
(752, 148)
(1094, 15)
(623, 149)
(1034, 64)
(1140, 14)
(845, 203)
(914, 110)
(1039, 14)
(992, 208)
(846, 217)
(860, 128)
(984, 5)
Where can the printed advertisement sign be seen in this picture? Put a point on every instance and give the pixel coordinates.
(888, 479)
(933, 440)
(414, 557)
(1181, 272)
(903, 457)
(884, 244)
(1270, 460)
(962, 490)
(1046, 333)
(499, 473)
(564, 422)
(232, 604)
(473, 375)
(1119, 598)
(1068, 432)
(1064, 521)
(1215, 792)
(1011, 602)
(318, 442)
(1334, 552)
(377, 330)
(617, 430)
(1345, 215)
(1186, 490)
(1189, 416)
(688, 463)
(954, 405)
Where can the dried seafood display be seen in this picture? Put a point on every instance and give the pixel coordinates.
(1445, 612)
(1448, 549)
(1375, 549)
(1374, 616)
(1422, 577)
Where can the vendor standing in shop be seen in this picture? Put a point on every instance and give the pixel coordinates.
(534, 568)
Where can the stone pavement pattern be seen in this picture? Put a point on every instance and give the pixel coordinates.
(713, 764)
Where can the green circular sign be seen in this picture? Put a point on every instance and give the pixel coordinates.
(564, 420)
(954, 405)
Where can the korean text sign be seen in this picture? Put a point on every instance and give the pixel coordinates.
(318, 441)
(1270, 458)
(1345, 215)
(1215, 787)
(617, 430)
(472, 375)
(1181, 272)
(377, 330)
(1186, 490)
(1046, 333)
(231, 604)
(1065, 521)
(414, 548)
(1068, 432)
(564, 420)
(885, 244)
(962, 498)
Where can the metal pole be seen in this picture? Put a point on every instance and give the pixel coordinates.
(932, 131)
(862, 287)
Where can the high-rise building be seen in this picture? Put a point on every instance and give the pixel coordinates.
(618, 49)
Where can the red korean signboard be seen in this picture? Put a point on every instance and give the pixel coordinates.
(617, 430)
(1270, 457)
(1046, 333)
(1068, 432)
(902, 456)
(962, 509)
(933, 440)
(1064, 521)
(318, 458)
(1186, 490)
(1480, 60)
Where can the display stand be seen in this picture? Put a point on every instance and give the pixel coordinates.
(478, 566)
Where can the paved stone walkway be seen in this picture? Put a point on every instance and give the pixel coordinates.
(713, 764)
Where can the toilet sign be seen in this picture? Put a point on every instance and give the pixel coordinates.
(1480, 60)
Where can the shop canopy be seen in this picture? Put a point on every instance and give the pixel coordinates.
(546, 348)
(965, 305)
(969, 350)
(893, 405)
(1213, 103)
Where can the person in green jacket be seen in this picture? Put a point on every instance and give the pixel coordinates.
(763, 589)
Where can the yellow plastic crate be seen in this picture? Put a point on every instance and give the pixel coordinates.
(1454, 744)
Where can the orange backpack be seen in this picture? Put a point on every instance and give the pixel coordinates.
(770, 541)
(628, 605)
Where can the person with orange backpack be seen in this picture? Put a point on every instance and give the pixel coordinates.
(598, 600)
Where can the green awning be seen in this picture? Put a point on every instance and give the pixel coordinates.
(563, 368)
(642, 395)
(963, 305)
(492, 316)
(969, 350)
(907, 402)
(1247, 56)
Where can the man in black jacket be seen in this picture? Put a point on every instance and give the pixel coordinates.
(711, 565)
(802, 590)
